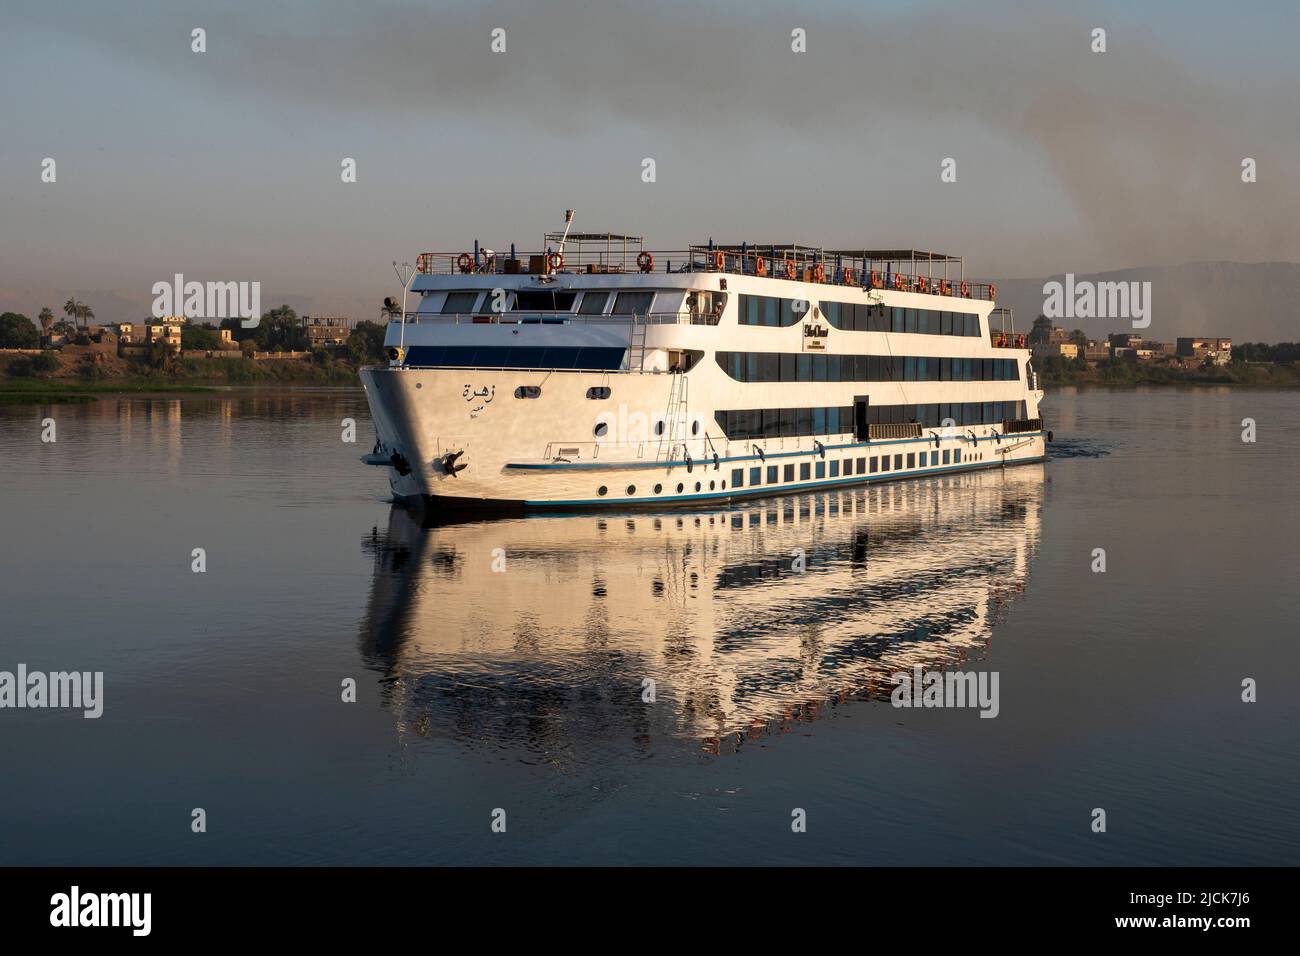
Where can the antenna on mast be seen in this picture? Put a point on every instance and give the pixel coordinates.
(406, 273)
(568, 224)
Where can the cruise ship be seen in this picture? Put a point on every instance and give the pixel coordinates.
(600, 373)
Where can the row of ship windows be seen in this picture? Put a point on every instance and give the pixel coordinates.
(838, 420)
(806, 367)
(548, 300)
(854, 317)
(518, 356)
(603, 490)
(835, 468)
(808, 471)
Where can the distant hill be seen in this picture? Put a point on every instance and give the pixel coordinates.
(1255, 301)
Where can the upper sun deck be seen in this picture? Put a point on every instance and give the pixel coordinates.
(612, 259)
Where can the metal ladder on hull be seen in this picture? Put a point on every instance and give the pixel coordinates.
(636, 345)
(675, 416)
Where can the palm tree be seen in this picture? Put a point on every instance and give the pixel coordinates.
(85, 313)
(72, 309)
(46, 319)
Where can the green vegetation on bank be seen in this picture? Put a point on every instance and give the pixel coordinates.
(32, 391)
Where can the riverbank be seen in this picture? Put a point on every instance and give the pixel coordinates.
(1264, 375)
(60, 377)
(54, 391)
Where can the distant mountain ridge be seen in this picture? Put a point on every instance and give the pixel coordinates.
(1246, 301)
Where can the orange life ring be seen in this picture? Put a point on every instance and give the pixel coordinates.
(556, 261)
(944, 287)
(848, 277)
(645, 262)
(719, 260)
(465, 262)
(1020, 341)
(965, 289)
(789, 268)
(760, 266)
(920, 284)
(899, 281)
(875, 279)
(819, 273)
(993, 291)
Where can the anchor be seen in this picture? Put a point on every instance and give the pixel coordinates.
(449, 464)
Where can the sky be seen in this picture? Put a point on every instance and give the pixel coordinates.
(225, 165)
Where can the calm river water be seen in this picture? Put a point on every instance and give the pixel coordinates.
(649, 688)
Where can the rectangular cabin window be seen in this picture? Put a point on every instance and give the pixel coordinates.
(884, 463)
(862, 466)
(911, 459)
(805, 471)
(633, 303)
(788, 473)
(835, 469)
(593, 303)
(848, 466)
(898, 462)
(875, 464)
(771, 474)
(544, 300)
(755, 476)
(956, 455)
(459, 303)
(821, 469)
(738, 477)
(945, 457)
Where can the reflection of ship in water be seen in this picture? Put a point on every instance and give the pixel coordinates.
(538, 633)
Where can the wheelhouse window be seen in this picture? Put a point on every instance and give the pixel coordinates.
(459, 303)
(593, 303)
(544, 300)
(633, 303)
